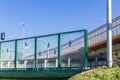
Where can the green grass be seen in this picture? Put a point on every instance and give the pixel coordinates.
(103, 73)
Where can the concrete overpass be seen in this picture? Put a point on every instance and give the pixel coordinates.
(68, 53)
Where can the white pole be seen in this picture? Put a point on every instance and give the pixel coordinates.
(23, 34)
(56, 62)
(109, 33)
(69, 62)
(9, 64)
(23, 37)
(45, 63)
(25, 64)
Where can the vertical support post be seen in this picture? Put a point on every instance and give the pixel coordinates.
(0, 57)
(56, 63)
(8, 64)
(35, 53)
(25, 64)
(69, 60)
(45, 63)
(15, 61)
(59, 51)
(109, 33)
(86, 49)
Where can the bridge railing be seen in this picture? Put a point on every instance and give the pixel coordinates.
(67, 49)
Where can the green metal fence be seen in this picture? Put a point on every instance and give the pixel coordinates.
(60, 50)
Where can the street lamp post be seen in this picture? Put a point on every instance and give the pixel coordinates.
(109, 33)
(23, 34)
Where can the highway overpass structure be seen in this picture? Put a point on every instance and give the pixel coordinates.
(61, 53)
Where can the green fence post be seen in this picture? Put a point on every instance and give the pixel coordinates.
(86, 49)
(59, 51)
(35, 53)
(15, 61)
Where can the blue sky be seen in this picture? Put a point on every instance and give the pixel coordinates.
(52, 16)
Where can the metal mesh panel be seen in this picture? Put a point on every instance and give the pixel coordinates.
(7, 55)
(47, 51)
(72, 49)
(68, 49)
(25, 54)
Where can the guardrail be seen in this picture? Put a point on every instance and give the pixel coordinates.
(59, 46)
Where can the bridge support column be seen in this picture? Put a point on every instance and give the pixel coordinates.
(25, 64)
(69, 62)
(56, 62)
(8, 65)
(17, 64)
(45, 63)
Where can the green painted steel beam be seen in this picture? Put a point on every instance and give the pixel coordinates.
(59, 51)
(35, 53)
(86, 49)
(44, 35)
(55, 73)
(15, 58)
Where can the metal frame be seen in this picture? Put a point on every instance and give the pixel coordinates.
(86, 49)
(33, 74)
(15, 61)
(59, 50)
(35, 53)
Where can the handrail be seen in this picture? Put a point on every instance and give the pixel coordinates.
(43, 35)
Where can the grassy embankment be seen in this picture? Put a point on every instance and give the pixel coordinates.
(103, 73)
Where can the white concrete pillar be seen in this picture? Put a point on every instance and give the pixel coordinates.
(17, 64)
(69, 62)
(45, 63)
(56, 63)
(8, 65)
(25, 64)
